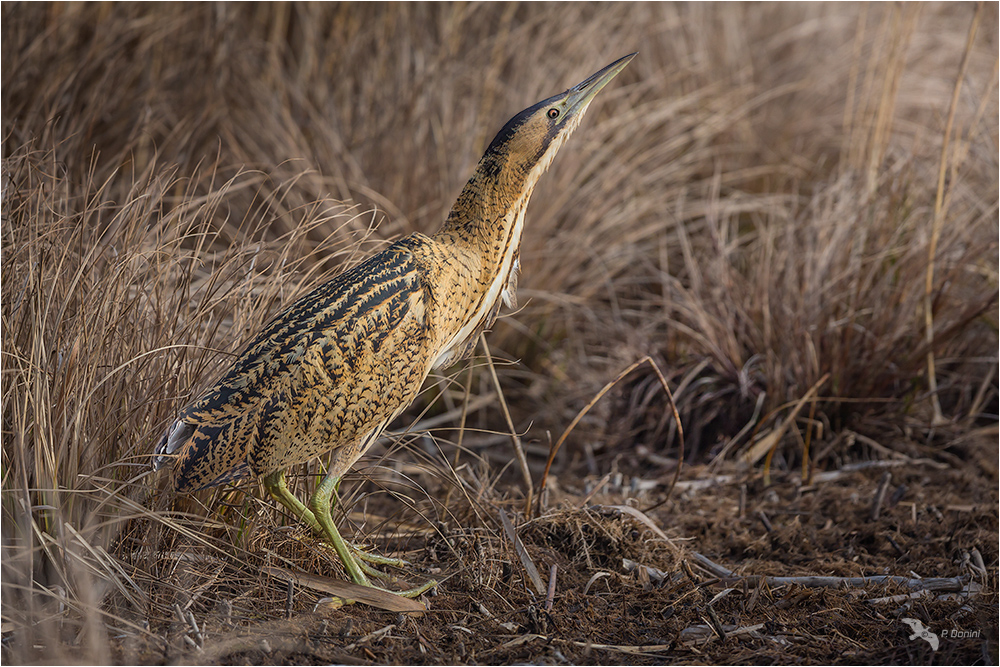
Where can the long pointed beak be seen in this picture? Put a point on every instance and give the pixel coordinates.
(582, 93)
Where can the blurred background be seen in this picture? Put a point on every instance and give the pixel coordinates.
(772, 202)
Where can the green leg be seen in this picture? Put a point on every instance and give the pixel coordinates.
(320, 520)
(376, 559)
(278, 489)
(361, 554)
(321, 504)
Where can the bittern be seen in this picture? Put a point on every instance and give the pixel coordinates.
(335, 368)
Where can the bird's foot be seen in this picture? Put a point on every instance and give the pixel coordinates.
(365, 561)
(355, 560)
(418, 591)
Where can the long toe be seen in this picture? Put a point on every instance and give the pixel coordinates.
(418, 591)
(366, 561)
(377, 559)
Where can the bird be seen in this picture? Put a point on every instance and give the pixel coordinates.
(331, 371)
(923, 632)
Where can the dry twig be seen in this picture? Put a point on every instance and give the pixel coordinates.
(879, 498)
(952, 584)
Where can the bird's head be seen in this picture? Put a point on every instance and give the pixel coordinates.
(517, 157)
(529, 140)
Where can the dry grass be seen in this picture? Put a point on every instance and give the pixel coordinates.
(751, 204)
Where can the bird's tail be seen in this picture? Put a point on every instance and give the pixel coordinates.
(196, 464)
(178, 434)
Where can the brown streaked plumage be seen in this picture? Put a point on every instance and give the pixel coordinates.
(335, 368)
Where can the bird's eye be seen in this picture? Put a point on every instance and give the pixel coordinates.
(553, 113)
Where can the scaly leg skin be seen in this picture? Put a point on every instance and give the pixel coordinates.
(361, 554)
(278, 489)
(321, 504)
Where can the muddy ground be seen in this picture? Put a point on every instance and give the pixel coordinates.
(937, 519)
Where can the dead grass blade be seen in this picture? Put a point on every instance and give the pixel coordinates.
(940, 206)
(604, 390)
(522, 554)
(642, 518)
(348, 591)
(769, 442)
(514, 437)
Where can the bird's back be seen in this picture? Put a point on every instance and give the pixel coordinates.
(339, 362)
